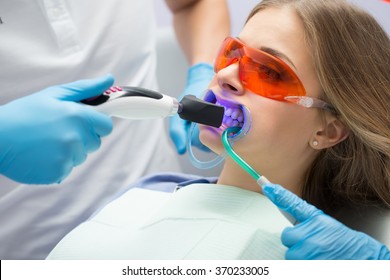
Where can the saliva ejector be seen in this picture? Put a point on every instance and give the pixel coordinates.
(136, 103)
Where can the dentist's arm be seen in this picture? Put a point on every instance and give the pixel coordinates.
(319, 236)
(200, 26)
(44, 135)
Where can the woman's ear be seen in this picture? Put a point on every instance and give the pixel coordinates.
(330, 135)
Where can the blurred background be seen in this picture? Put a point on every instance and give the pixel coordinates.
(239, 9)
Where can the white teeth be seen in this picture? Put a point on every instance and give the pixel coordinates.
(229, 122)
(233, 116)
(234, 113)
(228, 112)
(235, 123)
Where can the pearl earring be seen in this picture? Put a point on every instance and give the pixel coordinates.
(315, 143)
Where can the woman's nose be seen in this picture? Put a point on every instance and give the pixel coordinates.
(229, 80)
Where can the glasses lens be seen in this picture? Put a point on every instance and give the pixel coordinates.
(228, 54)
(260, 72)
(269, 79)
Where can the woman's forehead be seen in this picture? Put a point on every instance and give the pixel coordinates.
(274, 27)
(281, 29)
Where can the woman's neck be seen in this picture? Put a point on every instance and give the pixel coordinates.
(234, 175)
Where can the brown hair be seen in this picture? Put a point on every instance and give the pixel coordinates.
(351, 53)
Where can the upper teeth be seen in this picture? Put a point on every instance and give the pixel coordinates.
(233, 116)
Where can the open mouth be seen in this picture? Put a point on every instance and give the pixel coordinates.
(234, 115)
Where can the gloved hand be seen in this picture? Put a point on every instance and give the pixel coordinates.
(198, 79)
(44, 135)
(319, 236)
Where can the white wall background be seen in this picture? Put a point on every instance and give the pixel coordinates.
(239, 9)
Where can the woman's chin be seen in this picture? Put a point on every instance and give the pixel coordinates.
(211, 138)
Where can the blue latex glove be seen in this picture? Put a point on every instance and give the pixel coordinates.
(44, 135)
(199, 77)
(319, 236)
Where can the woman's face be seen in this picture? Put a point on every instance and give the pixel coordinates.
(280, 131)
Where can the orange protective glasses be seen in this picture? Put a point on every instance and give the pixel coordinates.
(265, 75)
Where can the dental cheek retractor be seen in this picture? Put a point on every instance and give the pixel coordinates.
(239, 132)
(138, 103)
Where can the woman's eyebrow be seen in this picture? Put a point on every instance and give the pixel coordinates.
(278, 54)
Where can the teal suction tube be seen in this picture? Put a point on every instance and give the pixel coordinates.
(260, 179)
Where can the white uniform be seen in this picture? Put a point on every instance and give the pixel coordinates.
(49, 42)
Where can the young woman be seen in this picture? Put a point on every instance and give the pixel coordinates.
(314, 77)
(341, 56)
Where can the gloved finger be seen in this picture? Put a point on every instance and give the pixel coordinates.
(91, 140)
(313, 248)
(100, 124)
(303, 240)
(290, 203)
(44, 179)
(56, 173)
(93, 143)
(83, 89)
(318, 231)
(65, 173)
(199, 77)
(303, 231)
(178, 133)
(297, 252)
(79, 153)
